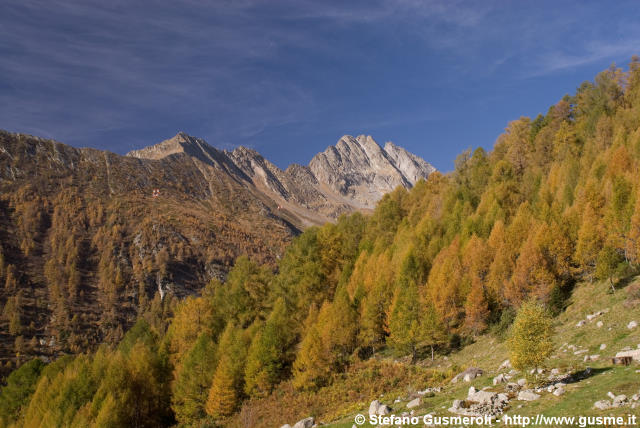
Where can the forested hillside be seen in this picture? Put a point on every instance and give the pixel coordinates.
(555, 202)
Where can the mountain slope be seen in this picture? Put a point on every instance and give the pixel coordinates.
(86, 246)
(354, 174)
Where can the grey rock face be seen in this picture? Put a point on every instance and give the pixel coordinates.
(362, 171)
(354, 174)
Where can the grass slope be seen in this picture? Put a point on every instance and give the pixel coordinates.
(337, 405)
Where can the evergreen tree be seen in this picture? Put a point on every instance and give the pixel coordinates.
(530, 339)
(404, 324)
(223, 397)
(270, 357)
(193, 381)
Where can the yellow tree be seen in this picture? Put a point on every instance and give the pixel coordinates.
(444, 282)
(223, 399)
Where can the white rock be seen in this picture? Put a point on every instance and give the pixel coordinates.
(286, 426)
(603, 346)
(558, 392)
(632, 325)
(527, 396)
(634, 354)
(472, 390)
(619, 400)
(602, 405)
(580, 323)
(384, 410)
(611, 395)
(506, 364)
(482, 397)
(555, 372)
(599, 324)
(499, 379)
(522, 382)
(373, 407)
(413, 403)
(635, 397)
(304, 423)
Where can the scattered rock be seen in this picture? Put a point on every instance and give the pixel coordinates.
(512, 387)
(602, 404)
(603, 346)
(634, 354)
(414, 403)
(558, 392)
(506, 364)
(305, 423)
(383, 410)
(522, 382)
(286, 426)
(632, 325)
(611, 395)
(482, 397)
(527, 396)
(591, 357)
(580, 323)
(373, 407)
(619, 400)
(472, 390)
(468, 375)
(499, 379)
(555, 372)
(481, 403)
(599, 324)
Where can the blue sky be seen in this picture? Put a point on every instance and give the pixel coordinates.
(288, 78)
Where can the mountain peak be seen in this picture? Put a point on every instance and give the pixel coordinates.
(180, 143)
(362, 171)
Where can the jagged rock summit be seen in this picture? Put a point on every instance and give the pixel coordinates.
(354, 174)
(362, 171)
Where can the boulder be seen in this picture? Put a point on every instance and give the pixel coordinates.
(373, 407)
(499, 379)
(468, 375)
(632, 325)
(512, 387)
(414, 403)
(527, 396)
(602, 405)
(634, 354)
(506, 364)
(305, 423)
(619, 400)
(383, 410)
(503, 398)
(482, 397)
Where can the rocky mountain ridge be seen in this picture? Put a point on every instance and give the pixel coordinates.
(354, 174)
(90, 239)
